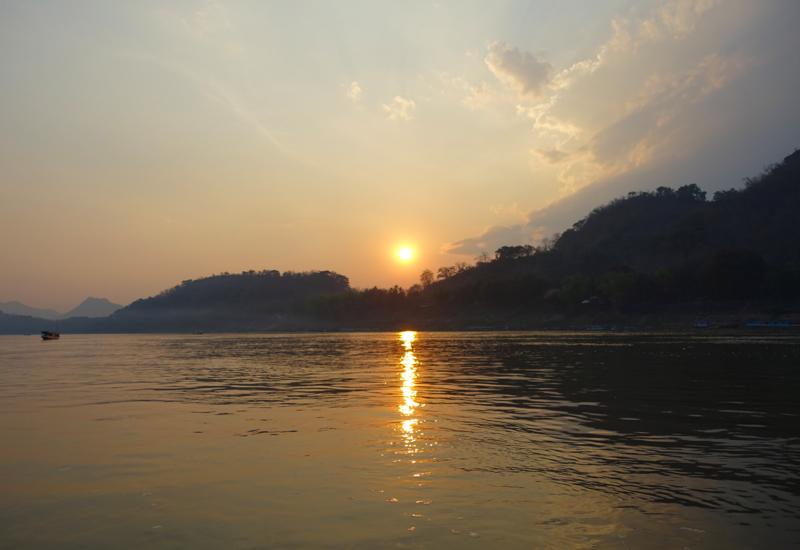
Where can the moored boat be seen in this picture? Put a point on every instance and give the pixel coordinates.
(47, 335)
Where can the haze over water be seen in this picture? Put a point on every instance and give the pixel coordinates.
(412, 440)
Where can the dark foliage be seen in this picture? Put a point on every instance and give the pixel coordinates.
(736, 274)
(248, 292)
(674, 245)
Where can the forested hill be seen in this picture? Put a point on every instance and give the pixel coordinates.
(251, 292)
(665, 246)
(250, 301)
(668, 228)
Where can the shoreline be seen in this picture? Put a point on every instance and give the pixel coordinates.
(719, 316)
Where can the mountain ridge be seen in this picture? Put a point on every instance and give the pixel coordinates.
(90, 307)
(18, 308)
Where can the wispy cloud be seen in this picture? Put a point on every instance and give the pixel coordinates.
(224, 95)
(623, 130)
(472, 96)
(680, 16)
(221, 93)
(552, 156)
(399, 108)
(206, 21)
(210, 25)
(519, 70)
(490, 240)
(622, 110)
(354, 91)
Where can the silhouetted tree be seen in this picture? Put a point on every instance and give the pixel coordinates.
(724, 195)
(513, 252)
(691, 193)
(446, 272)
(483, 258)
(426, 278)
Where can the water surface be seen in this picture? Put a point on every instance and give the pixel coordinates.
(410, 440)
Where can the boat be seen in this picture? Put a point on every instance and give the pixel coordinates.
(47, 335)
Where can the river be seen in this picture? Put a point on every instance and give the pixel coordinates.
(421, 440)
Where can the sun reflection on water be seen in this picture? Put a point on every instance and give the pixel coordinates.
(409, 405)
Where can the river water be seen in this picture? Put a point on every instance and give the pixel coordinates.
(401, 440)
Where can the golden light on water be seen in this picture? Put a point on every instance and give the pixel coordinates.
(405, 254)
(408, 337)
(409, 404)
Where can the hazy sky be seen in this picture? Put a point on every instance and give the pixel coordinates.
(143, 143)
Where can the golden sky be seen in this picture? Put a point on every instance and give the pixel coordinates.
(144, 143)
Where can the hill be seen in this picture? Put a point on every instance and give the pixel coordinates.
(18, 308)
(90, 307)
(252, 300)
(655, 247)
(93, 307)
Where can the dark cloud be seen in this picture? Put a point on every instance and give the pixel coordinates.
(491, 239)
(551, 156)
(520, 70)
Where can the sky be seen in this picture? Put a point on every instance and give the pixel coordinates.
(145, 143)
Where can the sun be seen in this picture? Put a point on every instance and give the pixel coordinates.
(405, 253)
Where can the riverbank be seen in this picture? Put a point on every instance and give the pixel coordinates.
(434, 318)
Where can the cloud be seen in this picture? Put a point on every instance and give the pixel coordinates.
(399, 109)
(211, 26)
(519, 70)
(669, 99)
(551, 156)
(206, 22)
(545, 123)
(617, 111)
(222, 93)
(469, 95)
(657, 113)
(680, 16)
(577, 71)
(490, 240)
(354, 91)
(479, 95)
(676, 19)
(507, 210)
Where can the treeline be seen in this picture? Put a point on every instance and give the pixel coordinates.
(731, 274)
(267, 291)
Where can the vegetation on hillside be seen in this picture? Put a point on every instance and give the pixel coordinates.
(251, 292)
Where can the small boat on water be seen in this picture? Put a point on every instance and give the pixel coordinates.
(47, 335)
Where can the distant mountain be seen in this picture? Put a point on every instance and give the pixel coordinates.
(250, 301)
(90, 307)
(18, 308)
(93, 307)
